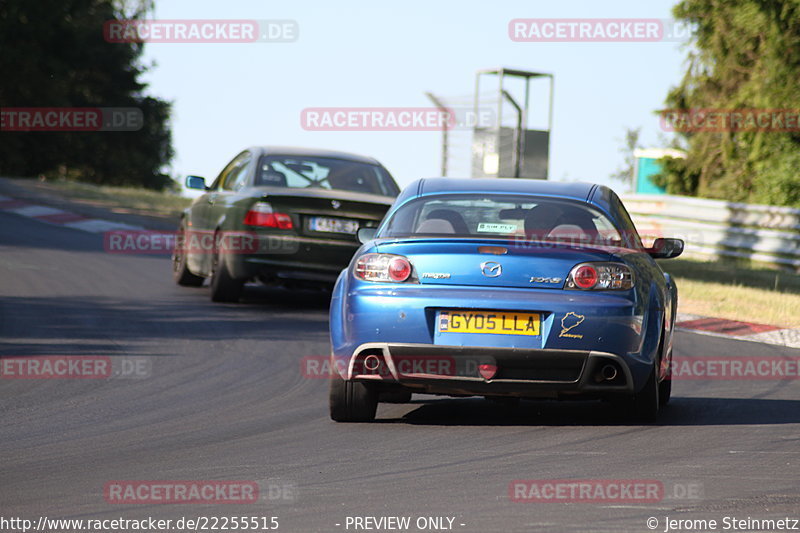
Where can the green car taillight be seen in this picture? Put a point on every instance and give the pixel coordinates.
(262, 215)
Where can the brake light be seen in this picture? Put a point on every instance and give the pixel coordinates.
(383, 267)
(261, 214)
(600, 277)
(399, 269)
(585, 277)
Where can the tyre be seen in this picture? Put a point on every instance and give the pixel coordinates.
(224, 288)
(352, 401)
(646, 402)
(665, 387)
(180, 272)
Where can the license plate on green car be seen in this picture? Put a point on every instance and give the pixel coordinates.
(333, 225)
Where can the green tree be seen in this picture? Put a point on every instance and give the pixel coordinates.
(54, 55)
(745, 54)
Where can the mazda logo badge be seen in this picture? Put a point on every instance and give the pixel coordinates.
(336, 204)
(490, 269)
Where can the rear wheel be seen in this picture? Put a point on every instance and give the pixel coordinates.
(224, 288)
(665, 387)
(646, 402)
(180, 272)
(665, 391)
(352, 401)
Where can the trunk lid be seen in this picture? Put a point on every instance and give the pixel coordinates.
(468, 262)
(328, 214)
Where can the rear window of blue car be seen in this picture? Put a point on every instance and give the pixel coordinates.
(534, 218)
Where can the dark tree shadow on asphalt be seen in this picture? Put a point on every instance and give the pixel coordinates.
(688, 411)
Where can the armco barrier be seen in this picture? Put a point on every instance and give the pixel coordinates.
(715, 228)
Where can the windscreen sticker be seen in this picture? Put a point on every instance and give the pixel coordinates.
(488, 227)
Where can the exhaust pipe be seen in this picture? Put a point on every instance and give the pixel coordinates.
(609, 372)
(372, 362)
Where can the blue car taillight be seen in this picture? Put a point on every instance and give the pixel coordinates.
(383, 267)
(600, 277)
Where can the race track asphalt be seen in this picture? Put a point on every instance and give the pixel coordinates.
(223, 398)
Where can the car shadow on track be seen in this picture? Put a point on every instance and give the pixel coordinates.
(103, 325)
(272, 297)
(688, 411)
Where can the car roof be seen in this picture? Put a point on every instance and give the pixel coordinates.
(592, 193)
(573, 190)
(599, 196)
(312, 152)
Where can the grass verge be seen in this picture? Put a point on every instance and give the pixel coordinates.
(736, 290)
(119, 199)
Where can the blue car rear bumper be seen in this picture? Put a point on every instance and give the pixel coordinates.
(581, 333)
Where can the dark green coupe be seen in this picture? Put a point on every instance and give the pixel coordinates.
(282, 216)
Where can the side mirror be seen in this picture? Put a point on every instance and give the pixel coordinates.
(366, 234)
(195, 182)
(666, 248)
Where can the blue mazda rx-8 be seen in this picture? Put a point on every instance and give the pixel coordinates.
(507, 289)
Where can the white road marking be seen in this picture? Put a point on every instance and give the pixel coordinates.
(37, 211)
(764, 452)
(779, 337)
(94, 225)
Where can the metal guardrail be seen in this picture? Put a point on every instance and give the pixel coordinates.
(715, 228)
